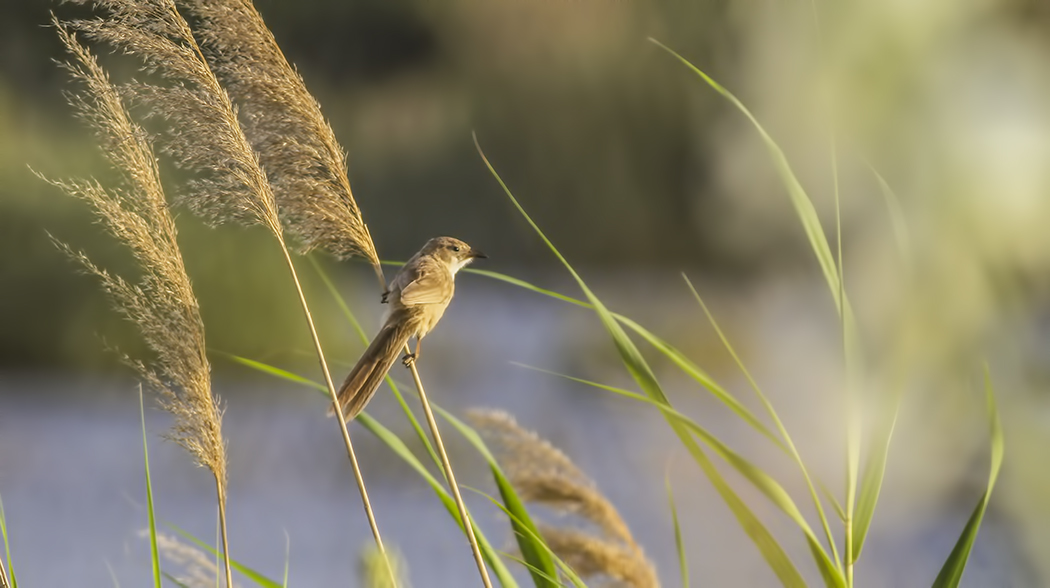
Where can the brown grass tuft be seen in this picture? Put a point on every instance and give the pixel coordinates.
(542, 474)
(161, 303)
(283, 121)
(203, 134)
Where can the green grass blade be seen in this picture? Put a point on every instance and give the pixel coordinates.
(676, 356)
(154, 553)
(401, 450)
(7, 548)
(803, 205)
(898, 223)
(174, 580)
(343, 306)
(514, 558)
(683, 562)
(287, 558)
(839, 511)
(253, 575)
(791, 449)
(762, 481)
(565, 568)
(632, 359)
(952, 571)
(871, 479)
(277, 372)
(540, 564)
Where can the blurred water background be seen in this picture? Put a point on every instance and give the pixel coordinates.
(637, 171)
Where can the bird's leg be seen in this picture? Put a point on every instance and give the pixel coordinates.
(410, 358)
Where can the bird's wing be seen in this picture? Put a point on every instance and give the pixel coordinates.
(429, 284)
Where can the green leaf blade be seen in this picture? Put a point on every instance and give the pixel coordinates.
(952, 571)
(537, 557)
(636, 365)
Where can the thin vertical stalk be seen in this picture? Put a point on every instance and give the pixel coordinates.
(3, 575)
(464, 516)
(339, 415)
(852, 423)
(222, 528)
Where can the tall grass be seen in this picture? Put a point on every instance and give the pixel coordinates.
(161, 303)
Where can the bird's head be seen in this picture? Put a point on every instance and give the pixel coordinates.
(452, 251)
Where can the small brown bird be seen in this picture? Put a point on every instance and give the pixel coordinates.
(418, 296)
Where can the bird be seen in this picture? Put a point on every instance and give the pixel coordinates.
(418, 296)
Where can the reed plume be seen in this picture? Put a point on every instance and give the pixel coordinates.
(204, 136)
(283, 121)
(197, 567)
(543, 475)
(161, 303)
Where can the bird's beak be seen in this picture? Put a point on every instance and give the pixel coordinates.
(476, 254)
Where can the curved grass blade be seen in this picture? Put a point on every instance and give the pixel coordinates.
(277, 372)
(174, 580)
(398, 446)
(672, 353)
(253, 575)
(803, 205)
(792, 450)
(683, 563)
(7, 552)
(871, 479)
(762, 481)
(952, 571)
(636, 365)
(564, 567)
(287, 558)
(153, 551)
(875, 467)
(897, 218)
(538, 560)
(514, 558)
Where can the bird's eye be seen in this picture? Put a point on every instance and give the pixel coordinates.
(455, 248)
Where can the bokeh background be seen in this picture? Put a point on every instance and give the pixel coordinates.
(638, 171)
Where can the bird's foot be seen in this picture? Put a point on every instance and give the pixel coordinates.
(408, 359)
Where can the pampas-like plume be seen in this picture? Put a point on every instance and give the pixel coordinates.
(204, 136)
(283, 121)
(161, 303)
(542, 474)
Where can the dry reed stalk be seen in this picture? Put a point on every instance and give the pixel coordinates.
(464, 515)
(542, 474)
(3, 575)
(204, 136)
(161, 303)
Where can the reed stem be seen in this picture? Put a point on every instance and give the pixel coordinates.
(464, 516)
(339, 415)
(3, 575)
(222, 529)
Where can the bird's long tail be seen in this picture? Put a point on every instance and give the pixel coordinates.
(370, 370)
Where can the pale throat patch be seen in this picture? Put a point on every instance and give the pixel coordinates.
(460, 264)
